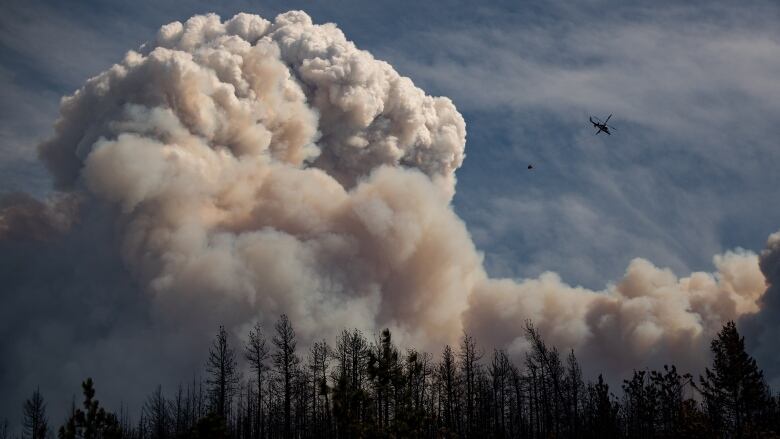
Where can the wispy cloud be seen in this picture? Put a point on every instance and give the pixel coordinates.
(692, 91)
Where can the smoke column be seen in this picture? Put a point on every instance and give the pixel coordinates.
(227, 172)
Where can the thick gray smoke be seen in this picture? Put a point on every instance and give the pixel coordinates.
(764, 327)
(236, 170)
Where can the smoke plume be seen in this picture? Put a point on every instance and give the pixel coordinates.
(232, 171)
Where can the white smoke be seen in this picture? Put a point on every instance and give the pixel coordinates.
(647, 318)
(266, 167)
(264, 164)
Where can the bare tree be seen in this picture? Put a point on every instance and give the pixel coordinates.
(223, 376)
(448, 379)
(35, 424)
(157, 413)
(285, 362)
(256, 352)
(469, 358)
(319, 358)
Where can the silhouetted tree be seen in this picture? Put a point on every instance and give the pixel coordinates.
(672, 405)
(181, 416)
(469, 357)
(370, 390)
(547, 381)
(410, 417)
(384, 369)
(500, 381)
(93, 422)
(319, 361)
(734, 390)
(447, 378)
(256, 353)
(573, 395)
(223, 377)
(350, 399)
(157, 414)
(212, 426)
(641, 410)
(35, 424)
(285, 362)
(602, 410)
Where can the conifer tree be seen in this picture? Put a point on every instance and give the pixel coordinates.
(35, 424)
(469, 358)
(223, 376)
(361, 390)
(447, 377)
(734, 390)
(669, 386)
(256, 353)
(574, 394)
(603, 411)
(383, 369)
(285, 362)
(93, 422)
(319, 356)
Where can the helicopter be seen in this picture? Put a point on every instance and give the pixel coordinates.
(602, 126)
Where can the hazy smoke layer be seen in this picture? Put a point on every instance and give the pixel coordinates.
(22, 217)
(247, 168)
(764, 327)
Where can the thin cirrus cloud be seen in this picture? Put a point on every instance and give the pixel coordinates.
(691, 90)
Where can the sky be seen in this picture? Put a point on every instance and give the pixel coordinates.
(686, 175)
(689, 172)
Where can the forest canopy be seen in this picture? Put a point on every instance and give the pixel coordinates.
(355, 388)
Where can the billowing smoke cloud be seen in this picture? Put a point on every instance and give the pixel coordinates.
(648, 317)
(763, 328)
(231, 171)
(263, 164)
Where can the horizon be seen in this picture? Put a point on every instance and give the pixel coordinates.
(369, 167)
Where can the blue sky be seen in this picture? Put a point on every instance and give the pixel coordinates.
(690, 171)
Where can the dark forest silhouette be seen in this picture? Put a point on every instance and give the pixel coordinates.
(364, 389)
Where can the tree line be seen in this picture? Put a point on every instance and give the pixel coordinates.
(360, 388)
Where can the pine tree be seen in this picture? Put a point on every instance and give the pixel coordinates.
(500, 377)
(93, 422)
(734, 390)
(641, 400)
(410, 418)
(349, 397)
(602, 411)
(469, 359)
(256, 352)
(285, 362)
(573, 395)
(448, 379)
(383, 370)
(319, 356)
(669, 387)
(35, 424)
(371, 392)
(223, 376)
